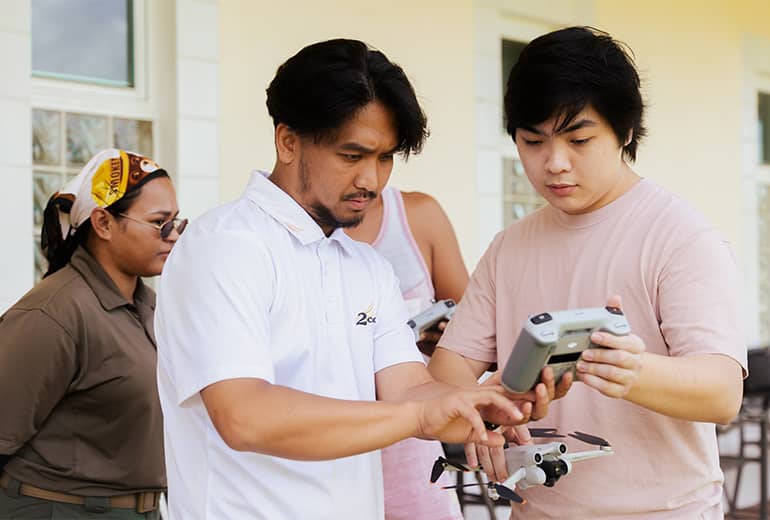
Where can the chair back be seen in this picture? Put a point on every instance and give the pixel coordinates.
(758, 380)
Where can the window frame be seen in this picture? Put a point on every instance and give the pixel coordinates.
(761, 177)
(139, 102)
(494, 146)
(66, 171)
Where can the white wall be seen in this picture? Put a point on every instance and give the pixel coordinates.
(15, 152)
(197, 102)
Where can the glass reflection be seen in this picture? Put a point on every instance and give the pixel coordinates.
(83, 40)
(46, 137)
(86, 135)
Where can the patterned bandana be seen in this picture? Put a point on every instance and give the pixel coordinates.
(107, 177)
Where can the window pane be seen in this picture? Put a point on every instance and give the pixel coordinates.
(510, 55)
(511, 51)
(83, 40)
(519, 197)
(135, 136)
(764, 128)
(763, 208)
(46, 137)
(86, 135)
(44, 185)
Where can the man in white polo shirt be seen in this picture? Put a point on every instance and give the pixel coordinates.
(284, 355)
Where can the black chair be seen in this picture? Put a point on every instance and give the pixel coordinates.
(754, 412)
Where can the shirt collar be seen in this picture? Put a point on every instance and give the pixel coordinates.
(102, 285)
(287, 211)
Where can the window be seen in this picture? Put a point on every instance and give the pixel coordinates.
(519, 197)
(62, 143)
(510, 55)
(763, 211)
(763, 114)
(83, 40)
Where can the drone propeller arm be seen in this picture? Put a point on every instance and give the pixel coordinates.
(585, 455)
(514, 479)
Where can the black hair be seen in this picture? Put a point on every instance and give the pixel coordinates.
(321, 87)
(562, 72)
(57, 249)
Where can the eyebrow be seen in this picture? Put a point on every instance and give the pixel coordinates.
(583, 123)
(164, 213)
(357, 147)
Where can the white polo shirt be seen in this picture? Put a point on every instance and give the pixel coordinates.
(255, 289)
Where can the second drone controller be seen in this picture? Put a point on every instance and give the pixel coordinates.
(557, 339)
(430, 317)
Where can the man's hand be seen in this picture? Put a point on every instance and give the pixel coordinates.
(534, 405)
(429, 338)
(614, 370)
(456, 417)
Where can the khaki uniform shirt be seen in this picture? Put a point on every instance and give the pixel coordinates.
(78, 396)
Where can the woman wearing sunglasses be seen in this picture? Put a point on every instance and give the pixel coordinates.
(80, 422)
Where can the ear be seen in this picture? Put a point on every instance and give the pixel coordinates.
(628, 139)
(287, 143)
(102, 223)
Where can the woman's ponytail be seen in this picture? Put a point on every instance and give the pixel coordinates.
(59, 249)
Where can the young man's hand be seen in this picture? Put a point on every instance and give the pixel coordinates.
(535, 402)
(615, 369)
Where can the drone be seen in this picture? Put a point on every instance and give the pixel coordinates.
(531, 465)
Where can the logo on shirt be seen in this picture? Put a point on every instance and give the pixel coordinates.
(366, 317)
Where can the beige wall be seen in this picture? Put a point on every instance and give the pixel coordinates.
(432, 41)
(691, 57)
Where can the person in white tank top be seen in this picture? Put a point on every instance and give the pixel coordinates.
(414, 234)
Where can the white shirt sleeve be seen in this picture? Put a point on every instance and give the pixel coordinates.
(212, 317)
(393, 340)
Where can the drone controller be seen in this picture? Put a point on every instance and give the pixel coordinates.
(441, 310)
(556, 339)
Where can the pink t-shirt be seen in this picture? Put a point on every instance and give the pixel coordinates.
(679, 284)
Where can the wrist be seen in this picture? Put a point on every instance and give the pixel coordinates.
(411, 414)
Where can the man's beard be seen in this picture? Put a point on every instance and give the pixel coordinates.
(325, 218)
(323, 215)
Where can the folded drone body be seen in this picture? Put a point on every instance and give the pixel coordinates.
(531, 465)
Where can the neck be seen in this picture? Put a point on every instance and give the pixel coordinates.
(126, 283)
(289, 183)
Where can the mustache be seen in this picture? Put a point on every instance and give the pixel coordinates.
(363, 194)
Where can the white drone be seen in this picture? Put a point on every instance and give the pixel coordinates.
(530, 465)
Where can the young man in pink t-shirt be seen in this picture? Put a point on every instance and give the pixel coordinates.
(574, 110)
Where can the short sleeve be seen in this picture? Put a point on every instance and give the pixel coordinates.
(699, 300)
(212, 314)
(472, 330)
(38, 360)
(394, 340)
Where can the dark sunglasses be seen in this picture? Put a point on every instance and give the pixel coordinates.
(166, 228)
